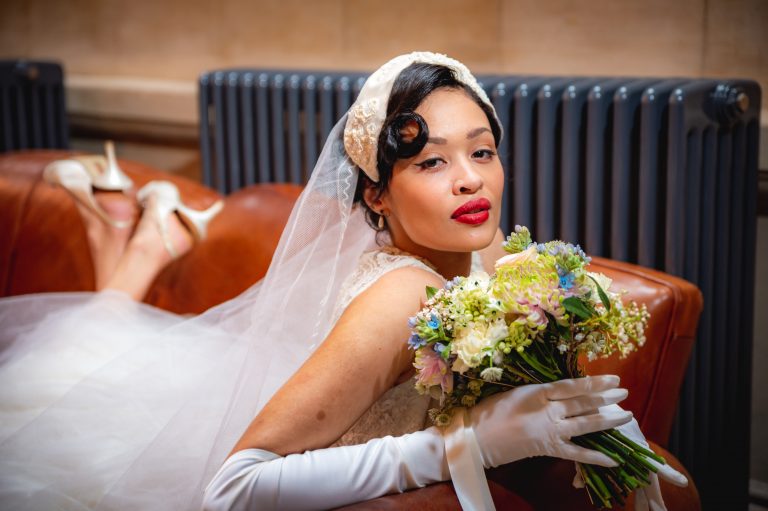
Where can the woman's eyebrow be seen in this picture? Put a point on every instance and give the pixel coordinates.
(471, 134)
(476, 132)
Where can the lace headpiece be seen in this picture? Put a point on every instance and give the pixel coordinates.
(366, 117)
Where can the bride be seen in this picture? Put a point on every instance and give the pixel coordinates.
(299, 393)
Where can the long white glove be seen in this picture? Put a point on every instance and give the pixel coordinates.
(648, 497)
(327, 478)
(539, 420)
(527, 421)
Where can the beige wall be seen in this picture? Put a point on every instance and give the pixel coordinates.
(121, 54)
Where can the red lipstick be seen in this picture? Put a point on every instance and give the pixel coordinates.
(472, 212)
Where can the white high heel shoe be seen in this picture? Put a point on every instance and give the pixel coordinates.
(112, 177)
(167, 201)
(80, 175)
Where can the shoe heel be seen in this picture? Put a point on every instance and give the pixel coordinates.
(74, 177)
(167, 200)
(160, 199)
(197, 221)
(112, 177)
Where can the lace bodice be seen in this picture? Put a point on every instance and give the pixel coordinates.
(401, 409)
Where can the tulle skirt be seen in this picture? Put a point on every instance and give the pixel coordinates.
(110, 404)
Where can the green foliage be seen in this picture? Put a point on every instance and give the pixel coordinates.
(601, 293)
(578, 308)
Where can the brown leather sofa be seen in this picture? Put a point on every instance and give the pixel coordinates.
(43, 249)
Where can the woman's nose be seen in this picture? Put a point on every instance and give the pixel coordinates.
(467, 180)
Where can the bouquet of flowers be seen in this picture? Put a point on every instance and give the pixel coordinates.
(528, 323)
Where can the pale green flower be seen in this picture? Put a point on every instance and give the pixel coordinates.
(518, 240)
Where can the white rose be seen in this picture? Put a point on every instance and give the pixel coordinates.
(471, 342)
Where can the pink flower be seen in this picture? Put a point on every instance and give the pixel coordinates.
(432, 370)
(536, 315)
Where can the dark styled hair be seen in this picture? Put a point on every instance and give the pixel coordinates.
(409, 89)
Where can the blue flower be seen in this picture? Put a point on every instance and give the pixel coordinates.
(433, 323)
(415, 342)
(452, 282)
(439, 347)
(412, 322)
(566, 281)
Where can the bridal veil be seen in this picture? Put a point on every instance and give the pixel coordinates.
(110, 404)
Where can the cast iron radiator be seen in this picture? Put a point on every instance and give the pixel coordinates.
(32, 111)
(659, 172)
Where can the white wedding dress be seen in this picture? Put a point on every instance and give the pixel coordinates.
(92, 397)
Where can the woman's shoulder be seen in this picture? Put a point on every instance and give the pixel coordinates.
(391, 270)
(383, 307)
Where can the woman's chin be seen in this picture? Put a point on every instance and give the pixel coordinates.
(454, 237)
(479, 238)
(472, 242)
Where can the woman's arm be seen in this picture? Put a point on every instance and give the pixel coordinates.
(528, 421)
(363, 356)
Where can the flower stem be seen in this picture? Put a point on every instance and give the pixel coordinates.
(593, 482)
(598, 485)
(587, 442)
(637, 447)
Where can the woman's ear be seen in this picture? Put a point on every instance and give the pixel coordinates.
(373, 198)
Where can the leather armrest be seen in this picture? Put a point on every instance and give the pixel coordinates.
(655, 372)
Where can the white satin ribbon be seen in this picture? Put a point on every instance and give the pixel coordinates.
(465, 464)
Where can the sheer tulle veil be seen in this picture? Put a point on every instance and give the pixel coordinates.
(110, 404)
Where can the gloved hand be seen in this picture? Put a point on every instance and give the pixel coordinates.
(539, 420)
(648, 497)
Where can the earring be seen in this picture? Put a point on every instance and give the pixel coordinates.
(381, 221)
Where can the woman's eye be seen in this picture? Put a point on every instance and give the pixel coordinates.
(483, 154)
(431, 163)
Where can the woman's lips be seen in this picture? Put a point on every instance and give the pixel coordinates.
(472, 212)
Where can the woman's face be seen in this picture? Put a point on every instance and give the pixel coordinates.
(448, 197)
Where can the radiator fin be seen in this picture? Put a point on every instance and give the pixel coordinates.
(32, 110)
